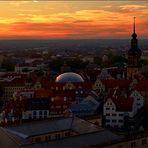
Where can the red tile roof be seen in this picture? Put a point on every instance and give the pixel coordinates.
(142, 85)
(41, 93)
(123, 103)
(122, 84)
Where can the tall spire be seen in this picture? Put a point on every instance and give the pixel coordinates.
(134, 24)
(134, 35)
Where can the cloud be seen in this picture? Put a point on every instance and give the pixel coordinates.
(132, 7)
(78, 24)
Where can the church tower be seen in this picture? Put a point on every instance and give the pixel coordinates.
(134, 56)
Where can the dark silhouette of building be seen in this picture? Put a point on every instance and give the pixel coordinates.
(134, 56)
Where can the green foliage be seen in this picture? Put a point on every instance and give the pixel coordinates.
(74, 64)
(8, 64)
(97, 60)
(56, 64)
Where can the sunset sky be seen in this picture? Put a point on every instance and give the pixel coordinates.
(72, 19)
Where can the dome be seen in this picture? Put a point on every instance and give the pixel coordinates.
(69, 77)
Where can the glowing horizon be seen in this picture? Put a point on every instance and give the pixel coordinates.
(72, 20)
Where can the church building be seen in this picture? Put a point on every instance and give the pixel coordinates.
(134, 56)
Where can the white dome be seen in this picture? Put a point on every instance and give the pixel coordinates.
(69, 77)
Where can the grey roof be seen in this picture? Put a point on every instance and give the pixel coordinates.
(89, 134)
(88, 107)
(69, 77)
(49, 126)
(82, 127)
(37, 128)
(6, 141)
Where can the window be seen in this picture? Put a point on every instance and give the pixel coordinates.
(57, 136)
(45, 112)
(133, 144)
(40, 112)
(143, 141)
(107, 114)
(107, 108)
(107, 120)
(67, 134)
(120, 146)
(30, 116)
(114, 114)
(38, 139)
(112, 108)
(120, 121)
(114, 121)
(120, 114)
(34, 113)
(48, 138)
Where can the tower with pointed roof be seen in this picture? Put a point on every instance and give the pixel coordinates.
(134, 56)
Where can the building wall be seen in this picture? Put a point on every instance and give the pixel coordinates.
(145, 96)
(35, 114)
(138, 99)
(9, 91)
(52, 136)
(132, 71)
(136, 143)
(112, 118)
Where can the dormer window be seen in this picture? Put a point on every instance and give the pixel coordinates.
(52, 99)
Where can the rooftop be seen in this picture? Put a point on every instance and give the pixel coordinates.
(49, 126)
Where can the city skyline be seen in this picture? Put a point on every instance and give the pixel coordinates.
(72, 19)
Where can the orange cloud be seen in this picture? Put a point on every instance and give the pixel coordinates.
(78, 24)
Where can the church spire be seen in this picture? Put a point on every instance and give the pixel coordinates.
(134, 55)
(134, 35)
(134, 24)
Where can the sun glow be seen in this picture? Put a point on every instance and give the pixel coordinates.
(45, 19)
